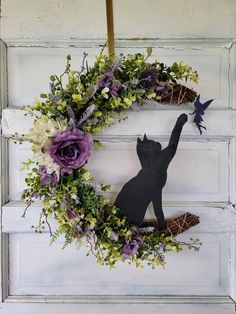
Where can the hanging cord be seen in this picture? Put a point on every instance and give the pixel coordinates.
(110, 29)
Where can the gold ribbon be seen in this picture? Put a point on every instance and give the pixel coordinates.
(110, 29)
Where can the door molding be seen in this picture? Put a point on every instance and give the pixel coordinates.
(227, 134)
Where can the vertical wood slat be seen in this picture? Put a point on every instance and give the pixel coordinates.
(4, 190)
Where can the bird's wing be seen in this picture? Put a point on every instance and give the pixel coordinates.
(197, 103)
(206, 104)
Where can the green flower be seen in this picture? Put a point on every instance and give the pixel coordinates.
(104, 92)
(83, 214)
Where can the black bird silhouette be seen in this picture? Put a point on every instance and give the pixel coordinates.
(199, 112)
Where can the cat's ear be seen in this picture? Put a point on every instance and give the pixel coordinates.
(145, 139)
(139, 140)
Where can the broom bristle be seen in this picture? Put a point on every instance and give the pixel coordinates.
(178, 94)
(175, 226)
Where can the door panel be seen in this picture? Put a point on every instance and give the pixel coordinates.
(38, 269)
(201, 180)
(40, 63)
(106, 166)
(36, 278)
(198, 176)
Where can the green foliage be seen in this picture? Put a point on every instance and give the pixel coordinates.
(183, 71)
(94, 220)
(77, 202)
(82, 88)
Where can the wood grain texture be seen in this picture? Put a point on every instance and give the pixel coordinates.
(39, 308)
(213, 219)
(71, 272)
(210, 58)
(58, 19)
(153, 122)
(39, 35)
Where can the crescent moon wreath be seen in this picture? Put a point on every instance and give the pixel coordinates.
(78, 106)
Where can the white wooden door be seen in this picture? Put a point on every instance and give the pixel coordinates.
(202, 179)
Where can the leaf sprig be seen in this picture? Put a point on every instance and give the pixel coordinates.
(92, 99)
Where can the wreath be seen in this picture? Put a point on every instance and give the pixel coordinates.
(79, 105)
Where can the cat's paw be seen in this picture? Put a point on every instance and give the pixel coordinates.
(182, 119)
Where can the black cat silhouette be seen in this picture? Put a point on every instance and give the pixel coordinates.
(147, 186)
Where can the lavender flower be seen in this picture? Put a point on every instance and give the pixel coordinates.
(126, 87)
(105, 79)
(47, 178)
(70, 149)
(135, 106)
(70, 213)
(149, 77)
(115, 86)
(140, 91)
(161, 258)
(87, 114)
(130, 248)
(51, 84)
(117, 62)
(134, 230)
(53, 97)
(71, 115)
(91, 93)
(146, 230)
(94, 185)
(160, 88)
(113, 236)
(108, 80)
(35, 196)
(162, 246)
(134, 81)
(78, 228)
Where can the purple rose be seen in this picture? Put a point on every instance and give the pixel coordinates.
(47, 178)
(149, 77)
(70, 149)
(114, 88)
(130, 248)
(108, 80)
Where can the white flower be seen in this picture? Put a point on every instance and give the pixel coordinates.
(144, 230)
(104, 92)
(52, 202)
(113, 236)
(46, 160)
(43, 129)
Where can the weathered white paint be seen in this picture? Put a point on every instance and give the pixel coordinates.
(4, 176)
(211, 188)
(159, 123)
(38, 308)
(215, 218)
(124, 299)
(233, 265)
(71, 272)
(60, 19)
(211, 62)
(106, 167)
